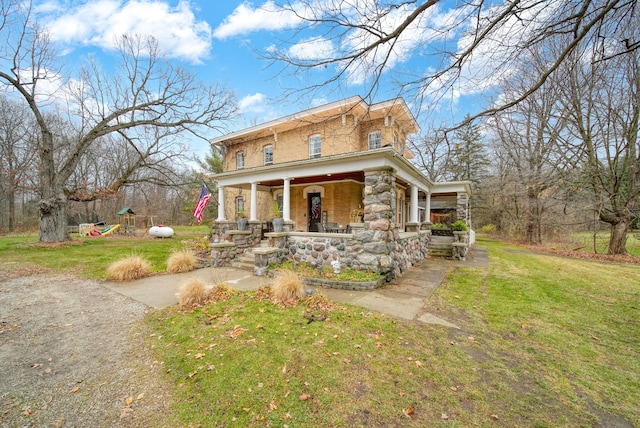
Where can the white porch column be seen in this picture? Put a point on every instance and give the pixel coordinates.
(253, 216)
(427, 211)
(221, 203)
(286, 200)
(414, 204)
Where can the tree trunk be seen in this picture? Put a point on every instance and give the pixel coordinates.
(11, 198)
(53, 219)
(533, 226)
(618, 237)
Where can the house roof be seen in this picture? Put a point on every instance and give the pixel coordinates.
(396, 108)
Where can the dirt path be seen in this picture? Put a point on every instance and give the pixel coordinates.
(67, 357)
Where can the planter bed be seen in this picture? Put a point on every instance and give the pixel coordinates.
(343, 285)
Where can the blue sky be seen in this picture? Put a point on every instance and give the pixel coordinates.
(219, 40)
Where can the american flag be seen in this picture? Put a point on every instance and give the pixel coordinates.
(203, 200)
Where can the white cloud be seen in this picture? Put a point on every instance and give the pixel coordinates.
(246, 19)
(312, 49)
(254, 103)
(100, 22)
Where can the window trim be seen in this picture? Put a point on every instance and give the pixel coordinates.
(264, 153)
(239, 155)
(319, 146)
(379, 134)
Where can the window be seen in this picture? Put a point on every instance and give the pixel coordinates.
(268, 155)
(239, 206)
(375, 140)
(315, 146)
(240, 160)
(395, 142)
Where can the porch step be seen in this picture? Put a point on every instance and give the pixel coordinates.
(246, 261)
(441, 246)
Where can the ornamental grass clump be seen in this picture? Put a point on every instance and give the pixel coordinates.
(129, 269)
(192, 293)
(288, 288)
(181, 261)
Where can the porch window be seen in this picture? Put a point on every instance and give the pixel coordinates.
(239, 205)
(315, 146)
(375, 140)
(240, 160)
(268, 155)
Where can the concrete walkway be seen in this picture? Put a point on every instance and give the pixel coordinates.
(403, 299)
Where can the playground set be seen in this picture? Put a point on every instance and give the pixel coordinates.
(126, 225)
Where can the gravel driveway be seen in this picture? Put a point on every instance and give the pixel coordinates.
(72, 355)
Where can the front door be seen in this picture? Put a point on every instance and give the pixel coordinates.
(314, 211)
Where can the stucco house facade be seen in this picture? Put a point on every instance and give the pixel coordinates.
(341, 177)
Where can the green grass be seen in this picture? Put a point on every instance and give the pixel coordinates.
(585, 242)
(89, 257)
(544, 341)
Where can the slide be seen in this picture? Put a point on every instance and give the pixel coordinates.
(108, 230)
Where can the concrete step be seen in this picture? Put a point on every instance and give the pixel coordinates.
(245, 261)
(441, 246)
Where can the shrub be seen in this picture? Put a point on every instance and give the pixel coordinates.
(460, 226)
(287, 287)
(129, 269)
(181, 261)
(192, 293)
(220, 292)
(488, 228)
(438, 226)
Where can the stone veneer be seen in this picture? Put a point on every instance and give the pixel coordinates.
(375, 245)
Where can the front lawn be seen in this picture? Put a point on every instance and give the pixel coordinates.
(544, 341)
(90, 257)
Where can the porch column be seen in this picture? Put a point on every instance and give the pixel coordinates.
(253, 216)
(427, 210)
(221, 203)
(414, 204)
(286, 200)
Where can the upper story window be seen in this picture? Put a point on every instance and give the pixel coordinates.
(268, 155)
(375, 140)
(315, 146)
(240, 160)
(395, 143)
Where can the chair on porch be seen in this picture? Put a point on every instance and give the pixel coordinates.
(321, 228)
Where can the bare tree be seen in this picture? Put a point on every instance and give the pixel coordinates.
(528, 136)
(473, 43)
(18, 158)
(147, 102)
(602, 101)
(431, 153)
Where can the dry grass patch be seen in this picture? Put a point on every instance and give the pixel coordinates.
(129, 269)
(220, 292)
(192, 293)
(181, 261)
(288, 288)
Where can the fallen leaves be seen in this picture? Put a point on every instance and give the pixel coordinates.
(235, 332)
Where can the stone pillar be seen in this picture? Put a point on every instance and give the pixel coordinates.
(286, 200)
(463, 207)
(378, 236)
(221, 203)
(253, 216)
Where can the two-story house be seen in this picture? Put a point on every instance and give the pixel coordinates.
(339, 167)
